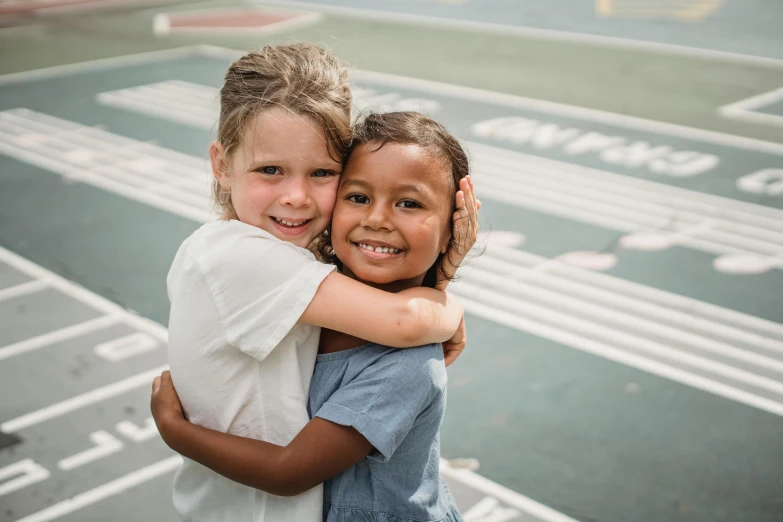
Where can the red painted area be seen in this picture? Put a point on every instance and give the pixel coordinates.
(239, 19)
(29, 6)
(19, 7)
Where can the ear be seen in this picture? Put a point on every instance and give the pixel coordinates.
(220, 166)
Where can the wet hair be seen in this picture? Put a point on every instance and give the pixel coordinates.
(301, 78)
(409, 128)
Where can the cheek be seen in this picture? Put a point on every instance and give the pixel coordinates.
(326, 196)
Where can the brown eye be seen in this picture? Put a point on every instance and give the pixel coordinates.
(407, 203)
(360, 199)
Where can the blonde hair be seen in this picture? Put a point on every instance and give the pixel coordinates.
(301, 78)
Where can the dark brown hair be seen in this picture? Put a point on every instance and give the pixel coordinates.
(421, 130)
(301, 78)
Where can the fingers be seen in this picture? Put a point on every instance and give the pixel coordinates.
(450, 357)
(156, 385)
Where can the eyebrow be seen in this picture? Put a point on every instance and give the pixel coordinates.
(401, 188)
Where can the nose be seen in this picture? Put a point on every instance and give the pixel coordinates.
(377, 217)
(296, 192)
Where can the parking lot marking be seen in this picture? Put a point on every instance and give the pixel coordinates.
(80, 401)
(63, 334)
(105, 444)
(22, 289)
(747, 109)
(512, 498)
(106, 490)
(28, 471)
(530, 32)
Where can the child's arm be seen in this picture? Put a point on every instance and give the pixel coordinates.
(413, 317)
(321, 450)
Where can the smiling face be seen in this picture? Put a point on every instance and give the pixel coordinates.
(281, 177)
(393, 214)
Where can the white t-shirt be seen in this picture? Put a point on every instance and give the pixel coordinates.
(240, 361)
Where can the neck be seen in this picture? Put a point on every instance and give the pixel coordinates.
(332, 341)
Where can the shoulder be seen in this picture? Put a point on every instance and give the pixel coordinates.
(421, 366)
(229, 248)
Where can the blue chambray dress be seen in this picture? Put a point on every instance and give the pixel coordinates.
(396, 399)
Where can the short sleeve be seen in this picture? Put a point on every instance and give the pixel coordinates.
(384, 400)
(260, 284)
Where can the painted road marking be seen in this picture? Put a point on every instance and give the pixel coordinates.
(109, 489)
(717, 362)
(655, 216)
(137, 433)
(749, 108)
(80, 401)
(511, 498)
(20, 475)
(22, 289)
(749, 239)
(105, 444)
(141, 171)
(231, 21)
(127, 346)
(63, 334)
(688, 10)
(528, 32)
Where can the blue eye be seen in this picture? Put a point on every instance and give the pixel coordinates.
(268, 170)
(322, 173)
(407, 203)
(358, 198)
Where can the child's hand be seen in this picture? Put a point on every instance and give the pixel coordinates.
(454, 346)
(465, 229)
(165, 405)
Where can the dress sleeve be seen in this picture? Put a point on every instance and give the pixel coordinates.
(260, 285)
(384, 400)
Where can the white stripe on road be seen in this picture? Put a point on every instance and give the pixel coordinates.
(63, 334)
(80, 401)
(109, 489)
(608, 352)
(19, 290)
(512, 498)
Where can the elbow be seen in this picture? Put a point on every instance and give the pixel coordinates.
(291, 479)
(412, 328)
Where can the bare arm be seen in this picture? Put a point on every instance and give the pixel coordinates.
(410, 318)
(321, 450)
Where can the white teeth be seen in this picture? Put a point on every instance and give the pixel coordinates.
(290, 223)
(384, 250)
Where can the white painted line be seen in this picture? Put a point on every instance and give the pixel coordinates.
(531, 32)
(22, 289)
(608, 352)
(512, 498)
(483, 288)
(82, 294)
(63, 334)
(747, 109)
(641, 293)
(126, 346)
(570, 111)
(105, 444)
(136, 433)
(100, 64)
(29, 473)
(109, 489)
(80, 401)
(626, 313)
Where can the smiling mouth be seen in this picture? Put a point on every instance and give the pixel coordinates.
(378, 249)
(291, 224)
